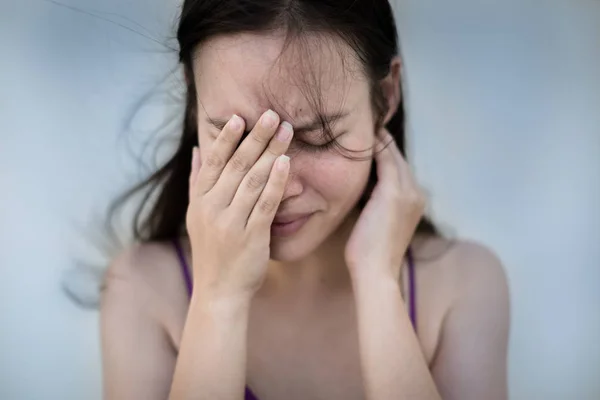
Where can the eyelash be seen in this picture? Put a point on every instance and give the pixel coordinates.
(315, 148)
(321, 148)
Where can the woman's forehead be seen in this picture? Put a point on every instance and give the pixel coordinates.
(249, 73)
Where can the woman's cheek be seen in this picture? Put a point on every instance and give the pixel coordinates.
(338, 178)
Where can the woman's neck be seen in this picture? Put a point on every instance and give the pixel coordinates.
(323, 273)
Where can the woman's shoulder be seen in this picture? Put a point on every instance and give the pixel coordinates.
(149, 274)
(459, 285)
(146, 264)
(461, 259)
(460, 271)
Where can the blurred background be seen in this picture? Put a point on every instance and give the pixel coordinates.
(504, 124)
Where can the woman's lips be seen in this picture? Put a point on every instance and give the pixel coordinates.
(288, 226)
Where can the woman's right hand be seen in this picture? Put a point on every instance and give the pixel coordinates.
(234, 196)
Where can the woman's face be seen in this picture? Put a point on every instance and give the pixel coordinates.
(247, 74)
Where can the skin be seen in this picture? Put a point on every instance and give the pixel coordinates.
(232, 78)
(310, 318)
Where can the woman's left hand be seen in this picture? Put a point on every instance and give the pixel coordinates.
(386, 225)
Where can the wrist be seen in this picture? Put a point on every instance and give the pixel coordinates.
(373, 271)
(209, 288)
(213, 301)
(374, 280)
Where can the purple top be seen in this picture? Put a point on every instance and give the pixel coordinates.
(412, 311)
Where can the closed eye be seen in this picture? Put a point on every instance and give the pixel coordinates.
(313, 147)
(317, 147)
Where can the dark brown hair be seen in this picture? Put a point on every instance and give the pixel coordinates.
(366, 26)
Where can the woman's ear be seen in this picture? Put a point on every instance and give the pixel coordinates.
(391, 89)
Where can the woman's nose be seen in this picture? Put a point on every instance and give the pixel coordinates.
(294, 186)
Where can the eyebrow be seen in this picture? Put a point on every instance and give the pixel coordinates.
(312, 126)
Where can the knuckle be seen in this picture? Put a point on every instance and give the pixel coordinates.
(272, 151)
(229, 137)
(259, 138)
(207, 208)
(255, 181)
(416, 199)
(239, 164)
(214, 161)
(397, 194)
(267, 205)
(224, 227)
(227, 224)
(401, 198)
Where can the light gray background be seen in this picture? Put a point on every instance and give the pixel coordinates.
(504, 103)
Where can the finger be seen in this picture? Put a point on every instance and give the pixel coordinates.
(219, 154)
(254, 182)
(405, 174)
(267, 205)
(387, 165)
(408, 182)
(194, 170)
(246, 155)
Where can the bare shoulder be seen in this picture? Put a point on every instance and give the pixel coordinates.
(460, 264)
(460, 285)
(150, 267)
(478, 270)
(149, 274)
(465, 317)
(142, 313)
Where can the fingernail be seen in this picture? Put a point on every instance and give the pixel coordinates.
(269, 118)
(284, 132)
(282, 162)
(235, 122)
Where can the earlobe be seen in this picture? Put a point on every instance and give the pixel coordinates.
(391, 86)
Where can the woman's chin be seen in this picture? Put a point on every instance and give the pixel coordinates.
(287, 250)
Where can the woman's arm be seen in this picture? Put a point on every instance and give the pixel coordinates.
(471, 361)
(393, 365)
(212, 361)
(234, 197)
(139, 359)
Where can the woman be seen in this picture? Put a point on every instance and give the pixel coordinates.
(286, 255)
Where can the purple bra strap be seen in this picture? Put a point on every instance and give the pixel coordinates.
(412, 290)
(248, 395)
(184, 266)
(412, 311)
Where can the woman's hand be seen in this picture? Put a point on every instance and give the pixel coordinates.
(234, 196)
(386, 225)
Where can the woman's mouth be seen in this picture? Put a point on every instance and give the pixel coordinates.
(287, 226)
